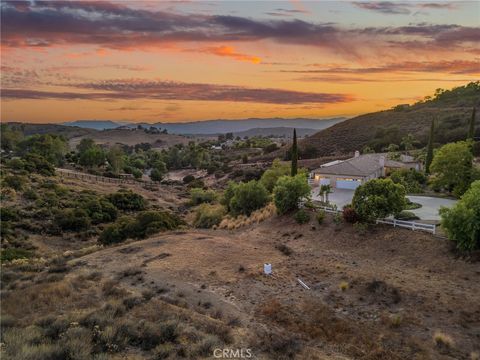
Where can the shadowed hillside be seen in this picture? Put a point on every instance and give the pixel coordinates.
(450, 108)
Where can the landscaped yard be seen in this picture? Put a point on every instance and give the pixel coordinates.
(428, 211)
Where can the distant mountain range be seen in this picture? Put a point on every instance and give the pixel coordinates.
(210, 127)
(286, 132)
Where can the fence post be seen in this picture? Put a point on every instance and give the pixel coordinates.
(434, 229)
(394, 222)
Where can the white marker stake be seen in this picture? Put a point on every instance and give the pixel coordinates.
(267, 268)
(303, 284)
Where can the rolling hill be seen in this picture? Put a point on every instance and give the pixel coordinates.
(210, 127)
(451, 110)
(286, 132)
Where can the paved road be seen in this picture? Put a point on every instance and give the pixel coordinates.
(428, 211)
(430, 206)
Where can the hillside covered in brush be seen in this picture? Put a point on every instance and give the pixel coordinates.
(451, 110)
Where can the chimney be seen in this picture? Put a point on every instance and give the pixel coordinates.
(357, 153)
(381, 160)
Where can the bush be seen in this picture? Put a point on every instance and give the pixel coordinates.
(248, 197)
(144, 224)
(188, 179)
(73, 220)
(30, 194)
(406, 215)
(127, 200)
(16, 182)
(411, 179)
(350, 215)
(101, 211)
(14, 253)
(320, 216)
(38, 164)
(377, 199)
(289, 191)
(302, 216)
(452, 167)
(199, 196)
(207, 216)
(462, 221)
(271, 176)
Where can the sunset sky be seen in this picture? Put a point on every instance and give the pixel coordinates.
(144, 61)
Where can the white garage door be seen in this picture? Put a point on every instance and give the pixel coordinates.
(324, 181)
(348, 184)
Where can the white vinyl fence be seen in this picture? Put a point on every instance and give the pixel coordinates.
(412, 225)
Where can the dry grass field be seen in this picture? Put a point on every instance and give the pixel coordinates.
(380, 293)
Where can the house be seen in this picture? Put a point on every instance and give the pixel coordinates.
(351, 173)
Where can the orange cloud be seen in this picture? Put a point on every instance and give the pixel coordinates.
(229, 51)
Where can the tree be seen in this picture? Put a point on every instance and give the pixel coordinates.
(407, 142)
(471, 127)
(51, 147)
(411, 179)
(158, 171)
(270, 176)
(324, 191)
(429, 157)
(92, 157)
(377, 199)
(9, 137)
(248, 197)
(289, 191)
(115, 157)
(294, 154)
(452, 167)
(462, 221)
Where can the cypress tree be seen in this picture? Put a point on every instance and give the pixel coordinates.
(471, 128)
(294, 153)
(429, 158)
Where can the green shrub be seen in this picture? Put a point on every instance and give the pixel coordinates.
(320, 216)
(411, 179)
(289, 191)
(206, 215)
(199, 196)
(16, 182)
(72, 219)
(462, 221)
(101, 211)
(151, 222)
(9, 214)
(377, 199)
(38, 164)
(302, 216)
(338, 219)
(10, 254)
(270, 177)
(409, 205)
(118, 232)
(248, 197)
(127, 200)
(451, 167)
(196, 183)
(30, 194)
(144, 224)
(406, 215)
(188, 179)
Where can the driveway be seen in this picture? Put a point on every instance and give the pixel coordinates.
(339, 197)
(430, 206)
(428, 211)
